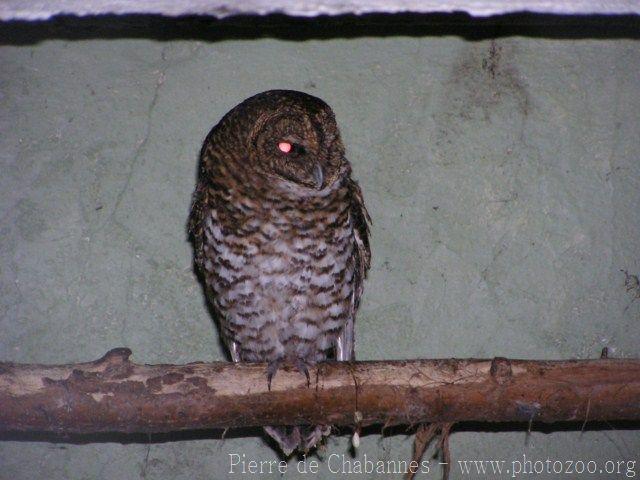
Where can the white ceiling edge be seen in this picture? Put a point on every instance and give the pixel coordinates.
(44, 10)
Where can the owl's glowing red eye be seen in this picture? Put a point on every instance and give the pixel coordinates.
(285, 147)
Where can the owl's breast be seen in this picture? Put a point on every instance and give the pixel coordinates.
(283, 281)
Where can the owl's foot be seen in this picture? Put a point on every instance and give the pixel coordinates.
(272, 368)
(301, 365)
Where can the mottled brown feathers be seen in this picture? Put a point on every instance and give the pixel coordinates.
(281, 238)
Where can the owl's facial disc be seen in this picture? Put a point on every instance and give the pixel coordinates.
(290, 145)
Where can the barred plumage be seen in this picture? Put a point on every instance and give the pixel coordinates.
(280, 235)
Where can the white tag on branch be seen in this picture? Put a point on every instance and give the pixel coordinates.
(355, 440)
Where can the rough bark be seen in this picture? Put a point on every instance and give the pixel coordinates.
(114, 394)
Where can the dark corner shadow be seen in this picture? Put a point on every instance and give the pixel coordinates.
(284, 27)
(252, 432)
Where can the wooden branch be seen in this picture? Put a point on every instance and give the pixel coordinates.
(114, 394)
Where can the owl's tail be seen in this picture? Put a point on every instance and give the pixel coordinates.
(302, 438)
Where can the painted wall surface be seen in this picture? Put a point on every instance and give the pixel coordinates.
(502, 176)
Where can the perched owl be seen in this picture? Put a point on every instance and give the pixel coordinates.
(281, 238)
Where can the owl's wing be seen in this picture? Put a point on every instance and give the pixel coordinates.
(360, 220)
(201, 206)
(195, 225)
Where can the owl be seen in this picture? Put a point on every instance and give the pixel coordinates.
(281, 238)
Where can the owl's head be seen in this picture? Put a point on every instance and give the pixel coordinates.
(291, 136)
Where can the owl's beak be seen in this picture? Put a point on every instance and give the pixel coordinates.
(318, 176)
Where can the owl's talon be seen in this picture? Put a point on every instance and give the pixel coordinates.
(272, 369)
(301, 365)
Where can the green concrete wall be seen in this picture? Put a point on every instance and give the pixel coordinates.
(502, 176)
